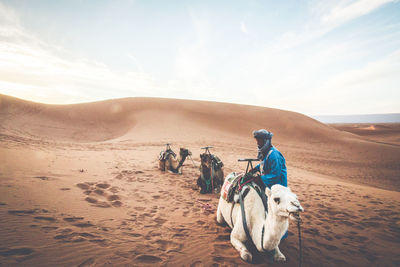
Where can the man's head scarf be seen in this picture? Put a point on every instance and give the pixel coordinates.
(266, 145)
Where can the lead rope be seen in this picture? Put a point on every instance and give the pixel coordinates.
(192, 161)
(212, 173)
(300, 247)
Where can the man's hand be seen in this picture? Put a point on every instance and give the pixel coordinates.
(253, 171)
(250, 175)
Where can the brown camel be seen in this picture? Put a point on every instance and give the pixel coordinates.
(168, 160)
(210, 166)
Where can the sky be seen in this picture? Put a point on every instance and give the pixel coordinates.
(313, 57)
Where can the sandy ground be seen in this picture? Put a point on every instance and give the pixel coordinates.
(387, 133)
(79, 185)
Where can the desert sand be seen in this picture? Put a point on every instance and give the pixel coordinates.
(79, 184)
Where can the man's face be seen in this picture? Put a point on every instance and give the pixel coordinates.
(260, 142)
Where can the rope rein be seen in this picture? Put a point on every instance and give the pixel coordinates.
(300, 246)
(192, 161)
(211, 175)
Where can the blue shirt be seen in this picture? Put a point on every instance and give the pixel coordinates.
(273, 169)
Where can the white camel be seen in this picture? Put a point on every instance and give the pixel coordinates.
(282, 204)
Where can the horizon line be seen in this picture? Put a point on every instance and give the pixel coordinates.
(200, 100)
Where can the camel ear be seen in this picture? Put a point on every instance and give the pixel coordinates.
(268, 192)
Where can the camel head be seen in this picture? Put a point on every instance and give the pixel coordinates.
(184, 152)
(205, 160)
(283, 202)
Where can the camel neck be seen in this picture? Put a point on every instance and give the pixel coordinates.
(275, 227)
(181, 160)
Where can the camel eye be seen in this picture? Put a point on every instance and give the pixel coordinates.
(277, 200)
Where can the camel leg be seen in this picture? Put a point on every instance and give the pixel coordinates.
(278, 255)
(243, 251)
(202, 186)
(220, 218)
(161, 165)
(167, 166)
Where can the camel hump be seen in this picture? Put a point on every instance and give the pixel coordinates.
(165, 154)
(239, 182)
(230, 185)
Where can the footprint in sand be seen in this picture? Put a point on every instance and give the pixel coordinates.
(126, 175)
(83, 225)
(103, 185)
(159, 221)
(45, 218)
(101, 195)
(65, 189)
(73, 219)
(168, 246)
(73, 237)
(88, 262)
(327, 246)
(223, 238)
(196, 264)
(148, 259)
(49, 228)
(200, 222)
(43, 178)
(22, 212)
(113, 197)
(91, 200)
(99, 192)
(19, 251)
(83, 186)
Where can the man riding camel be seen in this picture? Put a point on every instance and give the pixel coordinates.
(273, 164)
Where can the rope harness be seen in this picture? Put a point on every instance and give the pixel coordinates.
(215, 165)
(194, 165)
(244, 221)
(211, 176)
(300, 246)
(246, 229)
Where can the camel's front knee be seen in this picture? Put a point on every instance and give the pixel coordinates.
(243, 251)
(278, 256)
(246, 255)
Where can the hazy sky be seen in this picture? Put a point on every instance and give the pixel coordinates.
(313, 57)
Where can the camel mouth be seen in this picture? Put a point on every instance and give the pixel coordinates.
(295, 216)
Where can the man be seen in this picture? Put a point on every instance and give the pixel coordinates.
(273, 164)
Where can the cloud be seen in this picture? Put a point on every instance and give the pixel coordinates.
(340, 14)
(243, 27)
(370, 88)
(382, 71)
(192, 63)
(303, 70)
(46, 73)
(325, 16)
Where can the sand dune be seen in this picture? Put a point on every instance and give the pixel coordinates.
(113, 118)
(388, 133)
(307, 143)
(79, 185)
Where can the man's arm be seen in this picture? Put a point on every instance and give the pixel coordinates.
(273, 176)
(255, 169)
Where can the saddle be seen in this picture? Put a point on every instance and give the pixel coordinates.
(217, 163)
(165, 154)
(236, 183)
